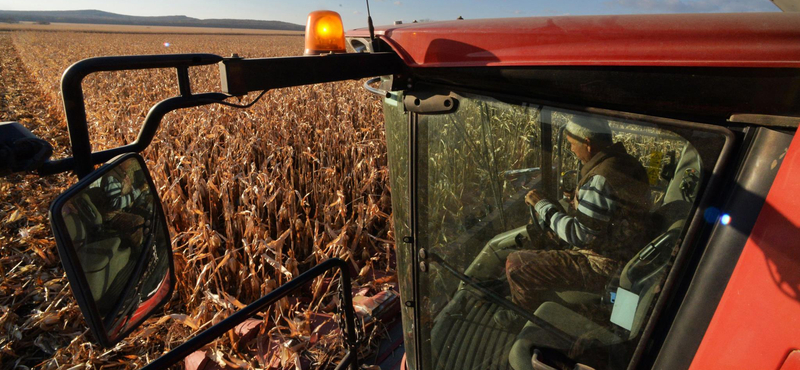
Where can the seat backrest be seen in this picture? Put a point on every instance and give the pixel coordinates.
(643, 274)
(88, 211)
(75, 228)
(685, 181)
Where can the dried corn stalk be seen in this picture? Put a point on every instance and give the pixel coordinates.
(252, 197)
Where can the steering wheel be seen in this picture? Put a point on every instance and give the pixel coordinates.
(538, 223)
(536, 220)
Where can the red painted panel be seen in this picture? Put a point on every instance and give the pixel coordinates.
(757, 323)
(792, 362)
(721, 40)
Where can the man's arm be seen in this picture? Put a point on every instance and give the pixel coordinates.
(595, 206)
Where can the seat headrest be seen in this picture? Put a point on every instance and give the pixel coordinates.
(665, 217)
(75, 228)
(667, 224)
(650, 260)
(87, 209)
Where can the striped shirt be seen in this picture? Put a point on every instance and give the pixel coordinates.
(119, 201)
(595, 200)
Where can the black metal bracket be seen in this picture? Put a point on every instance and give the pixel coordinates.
(238, 76)
(197, 342)
(21, 150)
(425, 102)
(83, 159)
(145, 137)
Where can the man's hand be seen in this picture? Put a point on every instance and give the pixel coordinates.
(533, 197)
(127, 187)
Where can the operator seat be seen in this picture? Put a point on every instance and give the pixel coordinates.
(642, 276)
(101, 259)
(676, 204)
(465, 336)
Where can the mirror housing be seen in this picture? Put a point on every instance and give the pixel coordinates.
(21, 150)
(114, 245)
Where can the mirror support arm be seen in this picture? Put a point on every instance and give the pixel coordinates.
(197, 342)
(146, 134)
(238, 77)
(72, 90)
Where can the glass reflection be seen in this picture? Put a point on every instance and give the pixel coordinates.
(116, 231)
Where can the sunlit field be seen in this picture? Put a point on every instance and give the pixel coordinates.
(253, 198)
(116, 28)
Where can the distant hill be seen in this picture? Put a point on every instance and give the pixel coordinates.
(101, 17)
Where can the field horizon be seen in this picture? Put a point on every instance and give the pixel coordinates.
(132, 29)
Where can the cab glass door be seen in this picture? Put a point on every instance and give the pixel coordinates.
(501, 283)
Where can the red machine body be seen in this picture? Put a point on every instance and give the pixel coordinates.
(679, 40)
(756, 322)
(476, 115)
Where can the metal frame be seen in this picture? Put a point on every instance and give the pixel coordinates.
(214, 332)
(239, 76)
(686, 93)
(752, 180)
(414, 224)
(83, 159)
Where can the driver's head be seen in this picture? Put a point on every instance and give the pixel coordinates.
(587, 136)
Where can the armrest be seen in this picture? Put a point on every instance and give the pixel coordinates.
(574, 324)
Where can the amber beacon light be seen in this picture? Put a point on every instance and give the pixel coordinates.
(324, 33)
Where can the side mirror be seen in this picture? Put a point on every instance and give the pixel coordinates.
(114, 244)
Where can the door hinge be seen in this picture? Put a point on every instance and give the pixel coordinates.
(424, 102)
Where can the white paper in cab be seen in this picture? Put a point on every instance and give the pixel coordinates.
(624, 308)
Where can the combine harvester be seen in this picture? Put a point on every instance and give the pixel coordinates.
(476, 115)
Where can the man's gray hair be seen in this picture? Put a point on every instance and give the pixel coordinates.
(593, 129)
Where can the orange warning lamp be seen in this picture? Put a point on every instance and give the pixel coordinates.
(324, 33)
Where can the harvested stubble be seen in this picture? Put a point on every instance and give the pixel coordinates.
(252, 197)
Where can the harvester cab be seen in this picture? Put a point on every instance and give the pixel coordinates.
(568, 193)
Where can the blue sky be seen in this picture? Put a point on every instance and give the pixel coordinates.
(387, 11)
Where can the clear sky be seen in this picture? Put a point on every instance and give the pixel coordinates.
(387, 11)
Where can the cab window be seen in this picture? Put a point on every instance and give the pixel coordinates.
(562, 265)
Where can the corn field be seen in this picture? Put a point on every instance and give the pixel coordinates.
(253, 197)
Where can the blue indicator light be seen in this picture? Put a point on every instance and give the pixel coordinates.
(725, 219)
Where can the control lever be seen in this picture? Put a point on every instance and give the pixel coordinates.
(539, 365)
